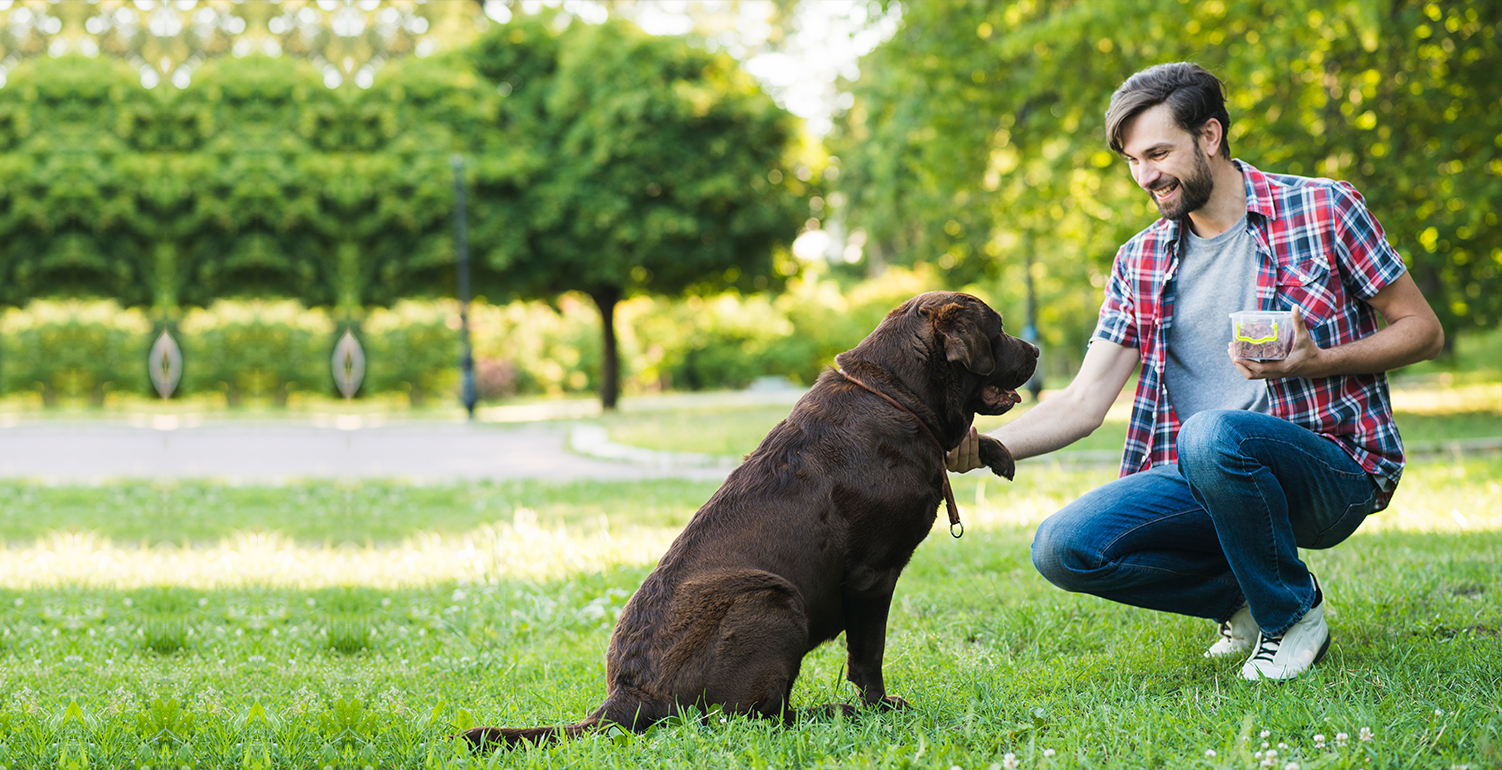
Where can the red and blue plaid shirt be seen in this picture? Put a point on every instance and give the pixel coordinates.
(1320, 251)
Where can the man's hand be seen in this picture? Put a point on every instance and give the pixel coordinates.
(1305, 359)
(965, 457)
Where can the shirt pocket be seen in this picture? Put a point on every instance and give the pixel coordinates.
(1305, 285)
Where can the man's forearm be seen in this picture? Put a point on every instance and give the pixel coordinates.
(1049, 426)
(1406, 341)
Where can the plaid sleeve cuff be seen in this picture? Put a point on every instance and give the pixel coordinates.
(1368, 263)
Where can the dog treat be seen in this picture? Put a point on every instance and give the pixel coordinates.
(1261, 335)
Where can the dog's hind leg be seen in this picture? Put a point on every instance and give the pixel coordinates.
(755, 659)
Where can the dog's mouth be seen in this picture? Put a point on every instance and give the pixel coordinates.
(999, 398)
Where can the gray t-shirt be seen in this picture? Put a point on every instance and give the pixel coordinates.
(1216, 277)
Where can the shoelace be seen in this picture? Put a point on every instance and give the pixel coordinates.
(1225, 629)
(1268, 648)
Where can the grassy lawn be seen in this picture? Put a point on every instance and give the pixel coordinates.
(1426, 413)
(205, 625)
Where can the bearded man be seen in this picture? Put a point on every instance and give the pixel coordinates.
(1231, 464)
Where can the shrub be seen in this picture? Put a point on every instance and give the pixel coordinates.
(412, 348)
(256, 350)
(74, 350)
(549, 350)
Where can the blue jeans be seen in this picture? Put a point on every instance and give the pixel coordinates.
(1220, 529)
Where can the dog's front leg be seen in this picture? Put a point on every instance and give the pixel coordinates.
(866, 604)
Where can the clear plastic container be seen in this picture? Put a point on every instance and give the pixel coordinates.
(1261, 335)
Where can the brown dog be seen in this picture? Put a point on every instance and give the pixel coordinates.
(807, 537)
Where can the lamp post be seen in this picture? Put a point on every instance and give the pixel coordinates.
(461, 245)
(1034, 384)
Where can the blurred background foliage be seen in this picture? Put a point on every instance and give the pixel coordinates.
(258, 173)
(975, 140)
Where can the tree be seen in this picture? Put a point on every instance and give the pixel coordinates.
(977, 139)
(631, 163)
(69, 185)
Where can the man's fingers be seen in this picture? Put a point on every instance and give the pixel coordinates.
(965, 457)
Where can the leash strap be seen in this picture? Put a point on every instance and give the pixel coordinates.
(956, 529)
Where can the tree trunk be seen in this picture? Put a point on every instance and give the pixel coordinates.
(610, 361)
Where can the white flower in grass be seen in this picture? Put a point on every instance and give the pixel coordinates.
(1048, 752)
(1256, 755)
(1272, 753)
(1291, 766)
(1282, 747)
(1009, 761)
(1210, 753)
(1439, 712)
(1265, 733)
(1341, 738)
(1366, 734)
(1319, 741)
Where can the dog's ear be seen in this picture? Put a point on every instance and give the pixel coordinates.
(964, 341)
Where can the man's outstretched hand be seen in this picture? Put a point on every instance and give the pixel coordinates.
(965, 457)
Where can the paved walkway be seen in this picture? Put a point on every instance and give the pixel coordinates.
(260, 452)
(520, 441)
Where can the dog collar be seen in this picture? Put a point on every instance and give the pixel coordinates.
(956, 529)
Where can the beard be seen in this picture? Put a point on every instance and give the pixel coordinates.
(1194, 190)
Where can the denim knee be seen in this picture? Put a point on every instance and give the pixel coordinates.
(1206, 436)
(1056, 557)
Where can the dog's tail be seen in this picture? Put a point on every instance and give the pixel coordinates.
(487, 737)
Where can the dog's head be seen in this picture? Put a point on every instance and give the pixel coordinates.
(987, 365)
(950, 350)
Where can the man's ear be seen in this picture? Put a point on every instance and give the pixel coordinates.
(964, 342)
(1209, 136)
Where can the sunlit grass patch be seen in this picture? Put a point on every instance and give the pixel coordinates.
(517, 549)
(1485, 397)
(491, 539)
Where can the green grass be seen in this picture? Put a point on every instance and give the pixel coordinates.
(1471, 412)
(280, 671)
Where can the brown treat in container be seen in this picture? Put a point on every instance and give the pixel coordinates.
(1261, 335)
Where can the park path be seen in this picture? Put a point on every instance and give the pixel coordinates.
(514, 442)
(552, 440)
(275, 452)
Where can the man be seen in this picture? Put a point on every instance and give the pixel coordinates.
(1231, 465)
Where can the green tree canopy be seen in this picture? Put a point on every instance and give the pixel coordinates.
(632, 163)
(977, 136)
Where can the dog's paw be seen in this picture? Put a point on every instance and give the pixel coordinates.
(994, 455)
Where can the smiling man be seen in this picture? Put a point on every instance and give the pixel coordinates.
(1231, 465)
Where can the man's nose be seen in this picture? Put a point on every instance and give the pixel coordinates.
(1146, 173)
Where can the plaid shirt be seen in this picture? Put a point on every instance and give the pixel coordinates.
(1320, 251)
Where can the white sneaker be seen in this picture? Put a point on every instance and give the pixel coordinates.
(1299, 648)
(1236, 635)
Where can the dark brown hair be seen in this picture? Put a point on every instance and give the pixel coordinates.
(1192, 94)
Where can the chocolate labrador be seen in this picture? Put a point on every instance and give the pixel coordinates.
(807, 537)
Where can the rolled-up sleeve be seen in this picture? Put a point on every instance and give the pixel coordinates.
(1366, 261)
(1117, 322)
